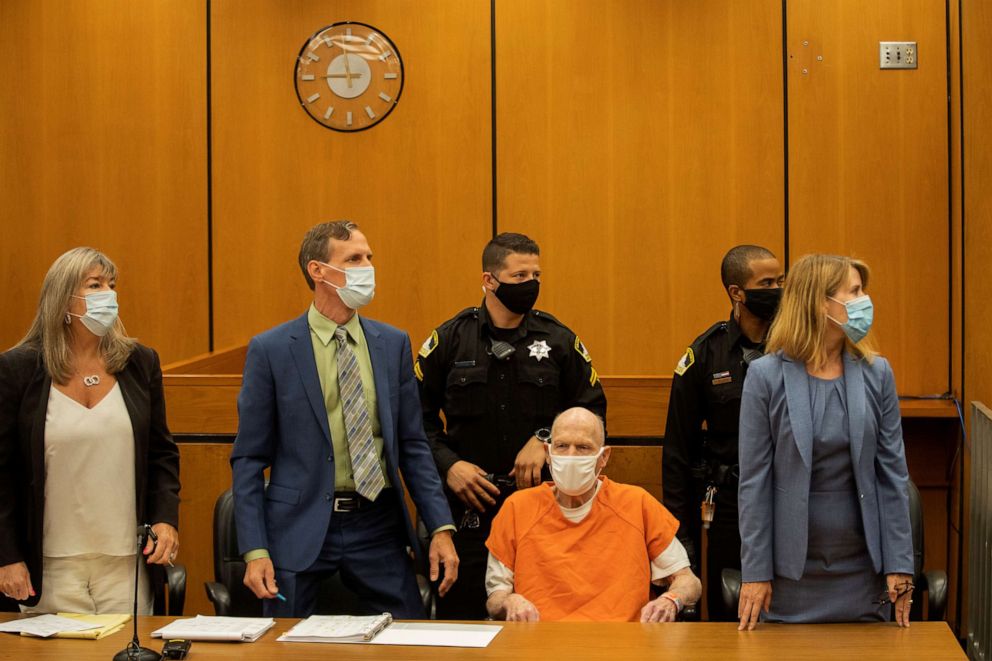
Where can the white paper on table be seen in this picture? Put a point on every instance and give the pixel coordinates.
(337, 628)
(45, 626)
(208, 627)
(437, 634)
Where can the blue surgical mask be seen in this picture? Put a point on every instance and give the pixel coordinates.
(860, 313)
(359, 285)
(101, 312)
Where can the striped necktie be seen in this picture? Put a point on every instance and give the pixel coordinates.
(364, 459)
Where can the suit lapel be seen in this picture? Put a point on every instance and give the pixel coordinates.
(797, 397)
(301, 347)
(854, 377)
(377, 354)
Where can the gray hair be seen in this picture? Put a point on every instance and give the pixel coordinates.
(316, 243)
(49, 333)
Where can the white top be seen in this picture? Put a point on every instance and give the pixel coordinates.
(669, 561)
(89, 477)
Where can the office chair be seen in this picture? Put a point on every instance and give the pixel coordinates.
(933, 582)
(229, 595)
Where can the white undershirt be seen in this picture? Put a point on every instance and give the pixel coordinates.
(673, 558)
(89, 477)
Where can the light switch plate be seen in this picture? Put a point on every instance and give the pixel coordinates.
(897, 55)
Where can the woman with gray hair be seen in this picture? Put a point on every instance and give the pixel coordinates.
(85, 453)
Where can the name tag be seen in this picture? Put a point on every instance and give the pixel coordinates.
(721, 377)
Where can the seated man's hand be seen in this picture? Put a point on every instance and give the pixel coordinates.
(529, 462)
(661, 609)
(469, 483)
(260, 578)
(518, 609)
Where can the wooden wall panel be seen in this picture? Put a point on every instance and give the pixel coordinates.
(637, 142)
(418, 183)
(976, 21)
(205, 472)
(103, 143)
(976, 80)
(868, 166)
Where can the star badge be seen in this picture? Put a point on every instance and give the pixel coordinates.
(539, 349)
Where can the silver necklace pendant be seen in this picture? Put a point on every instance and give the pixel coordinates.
(91, 380)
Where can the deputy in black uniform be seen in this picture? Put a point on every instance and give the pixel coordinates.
(701, 464)
(500, 373)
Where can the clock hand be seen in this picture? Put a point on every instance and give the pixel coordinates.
(347, 69)
(341, 75)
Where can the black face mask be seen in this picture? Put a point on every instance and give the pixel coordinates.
(518, 297)
(763, 303)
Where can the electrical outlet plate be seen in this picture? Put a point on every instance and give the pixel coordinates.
(897, 55)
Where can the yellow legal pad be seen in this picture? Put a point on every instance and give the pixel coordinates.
(108, 624)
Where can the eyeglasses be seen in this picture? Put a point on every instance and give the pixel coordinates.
(901, 589)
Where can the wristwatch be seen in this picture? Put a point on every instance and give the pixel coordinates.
(543, 434)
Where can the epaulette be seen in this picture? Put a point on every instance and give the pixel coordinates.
(464, 314)
(718, 326)
(541, 314)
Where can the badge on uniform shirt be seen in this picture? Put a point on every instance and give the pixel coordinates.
(581, 350)
(429, 345)
(721, 377)
(539, 349)
(685, 362)
(417, 372)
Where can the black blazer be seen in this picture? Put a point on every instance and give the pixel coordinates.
(24, 391)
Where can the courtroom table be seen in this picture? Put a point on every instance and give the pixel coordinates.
(554, 640)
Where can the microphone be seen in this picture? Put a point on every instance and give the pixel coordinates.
(134, 651)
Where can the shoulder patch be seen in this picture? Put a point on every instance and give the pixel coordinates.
(581, 350)
(429, 345)
(685, 362)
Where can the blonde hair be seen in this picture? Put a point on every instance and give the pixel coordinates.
(801, 322)
(49, 333)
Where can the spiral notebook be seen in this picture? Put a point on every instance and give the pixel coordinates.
(337, 629)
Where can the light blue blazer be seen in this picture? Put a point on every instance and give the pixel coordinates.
(776, 454)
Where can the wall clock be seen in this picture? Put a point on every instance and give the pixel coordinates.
(349, 76)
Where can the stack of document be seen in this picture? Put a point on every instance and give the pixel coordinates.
(48, 626)
(105, 625)
(337, 629)
(203, 627)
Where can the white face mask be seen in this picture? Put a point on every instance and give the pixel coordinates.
(359, 285)
(101, 312)
(575, 475)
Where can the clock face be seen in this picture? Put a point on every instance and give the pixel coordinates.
(349, 76)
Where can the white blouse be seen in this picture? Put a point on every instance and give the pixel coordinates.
(89, 477)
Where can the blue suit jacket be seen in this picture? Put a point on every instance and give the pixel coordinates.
(283, 424)
(776, 453)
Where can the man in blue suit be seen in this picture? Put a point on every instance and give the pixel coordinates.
(330, 404)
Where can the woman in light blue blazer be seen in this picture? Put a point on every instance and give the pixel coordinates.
(824, 510)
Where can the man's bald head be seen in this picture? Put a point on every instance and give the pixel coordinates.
(578, 422)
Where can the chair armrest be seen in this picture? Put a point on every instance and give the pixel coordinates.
(175, 579)
(219, 596)
(936, 587)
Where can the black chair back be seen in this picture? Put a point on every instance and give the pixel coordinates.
(934, 582)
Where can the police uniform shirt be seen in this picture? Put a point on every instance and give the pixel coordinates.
(706, 388)
(493, 407)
